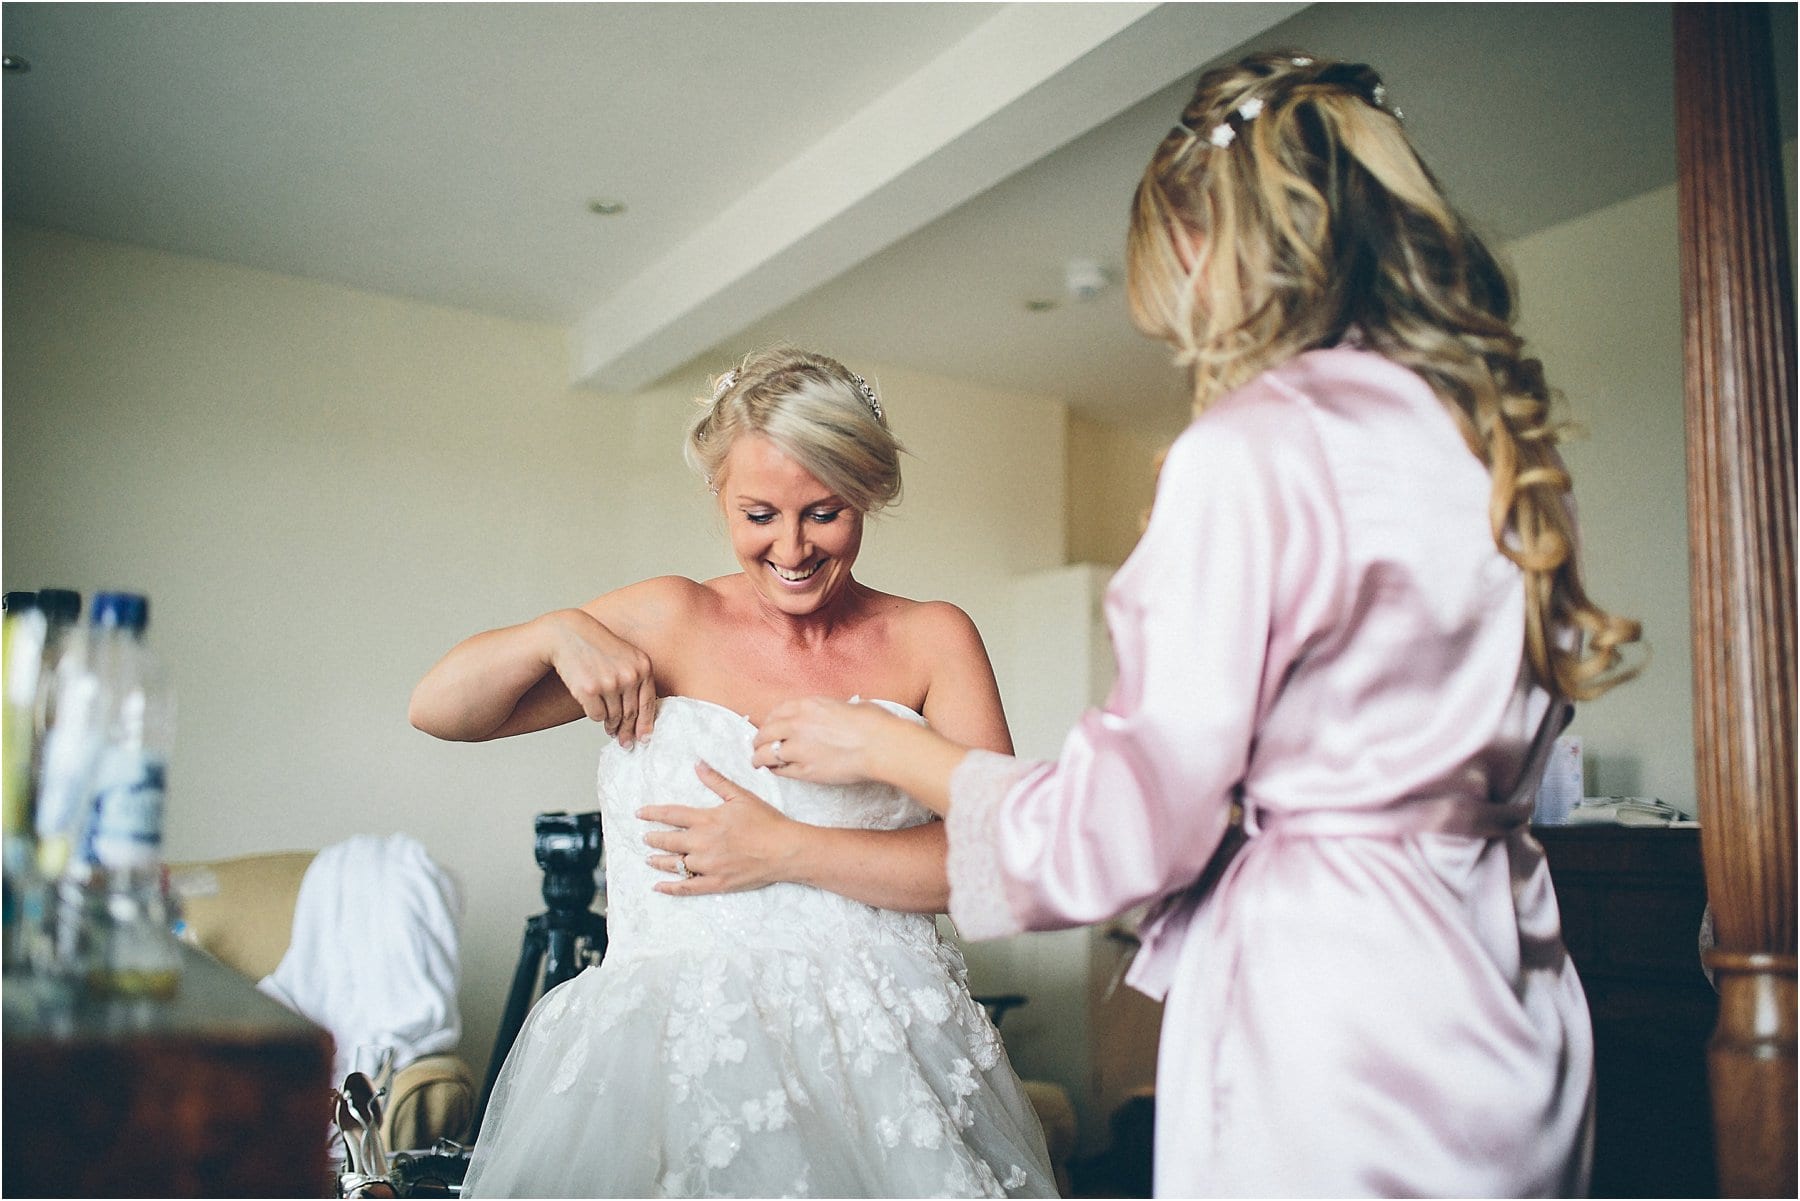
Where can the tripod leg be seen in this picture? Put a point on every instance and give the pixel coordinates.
(593, 933)
(518, 1004)
(559, 957)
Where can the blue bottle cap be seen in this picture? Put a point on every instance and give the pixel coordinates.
(128, 609)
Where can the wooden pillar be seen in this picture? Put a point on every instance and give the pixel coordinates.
(1737, 290)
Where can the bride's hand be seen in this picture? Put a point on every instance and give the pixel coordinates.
(824, 741)
(612, 680)
(741, 844)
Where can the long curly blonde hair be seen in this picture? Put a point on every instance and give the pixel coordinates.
(1289, 211)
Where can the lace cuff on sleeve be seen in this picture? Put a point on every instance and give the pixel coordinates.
(977, 890)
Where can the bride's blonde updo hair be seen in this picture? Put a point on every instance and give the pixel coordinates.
(820, 413)
(1313, 222)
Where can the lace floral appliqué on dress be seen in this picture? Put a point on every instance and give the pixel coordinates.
(781, 1042)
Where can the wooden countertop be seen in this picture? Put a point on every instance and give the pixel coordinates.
(217, 1091)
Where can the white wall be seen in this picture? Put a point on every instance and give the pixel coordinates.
(322, 490)
(1057, 661)
(1060, 662)
(1601, 301)
(1112, 483)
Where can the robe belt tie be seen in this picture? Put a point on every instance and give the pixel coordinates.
(1464, 816)
(1165, 927)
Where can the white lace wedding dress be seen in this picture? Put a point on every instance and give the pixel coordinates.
(781, 1042)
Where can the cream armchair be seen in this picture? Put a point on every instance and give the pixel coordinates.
(241, 910)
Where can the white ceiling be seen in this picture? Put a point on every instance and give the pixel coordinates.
(887, 182)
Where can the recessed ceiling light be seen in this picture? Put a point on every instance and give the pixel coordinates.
(606, 208)
(14, 64)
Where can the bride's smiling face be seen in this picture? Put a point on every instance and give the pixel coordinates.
(795, 539)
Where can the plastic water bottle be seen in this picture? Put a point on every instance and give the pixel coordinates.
(105, 773)
(23, 634)
(61, 608)
(74, 703)
(39, 626)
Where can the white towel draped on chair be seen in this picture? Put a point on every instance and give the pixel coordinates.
(375, 955)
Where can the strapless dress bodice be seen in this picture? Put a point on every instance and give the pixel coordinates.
(660, 771)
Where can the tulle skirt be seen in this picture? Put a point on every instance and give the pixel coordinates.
(761, 1072)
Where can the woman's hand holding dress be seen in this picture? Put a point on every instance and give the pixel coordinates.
(837, 742)
(745, 843)
(613, 681)
(821, 740)
(741, 844)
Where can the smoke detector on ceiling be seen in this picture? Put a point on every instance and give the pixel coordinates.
(1084, 279)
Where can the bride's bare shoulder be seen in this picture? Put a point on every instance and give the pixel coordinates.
(933, 621)
(929, 630)
(722, 592)
(648, 605)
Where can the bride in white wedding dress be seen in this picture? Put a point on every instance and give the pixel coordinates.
(784, 1041)
(800, 1029)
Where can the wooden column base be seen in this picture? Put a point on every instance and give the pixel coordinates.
(1751, 1063)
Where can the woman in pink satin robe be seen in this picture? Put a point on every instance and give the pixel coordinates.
(1354, 618)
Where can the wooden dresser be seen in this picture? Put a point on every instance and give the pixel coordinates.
(218, 1092)
(1631, 902)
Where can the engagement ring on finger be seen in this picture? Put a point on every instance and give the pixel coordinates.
(682, 867)
(775, 750)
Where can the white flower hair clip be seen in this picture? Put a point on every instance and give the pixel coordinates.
(1223, 134)
(1249, 108)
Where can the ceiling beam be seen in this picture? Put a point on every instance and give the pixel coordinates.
(1027, 81)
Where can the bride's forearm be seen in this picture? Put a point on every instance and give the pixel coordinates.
(890, 869)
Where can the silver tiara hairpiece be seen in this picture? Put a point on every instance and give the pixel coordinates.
(724, 383)
(867, 393)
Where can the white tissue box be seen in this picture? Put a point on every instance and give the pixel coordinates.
(1624, 811)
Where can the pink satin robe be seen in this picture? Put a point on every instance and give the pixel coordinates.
(1375, 999)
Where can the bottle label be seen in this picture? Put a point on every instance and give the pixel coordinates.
(70, 749)
(128, 810)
